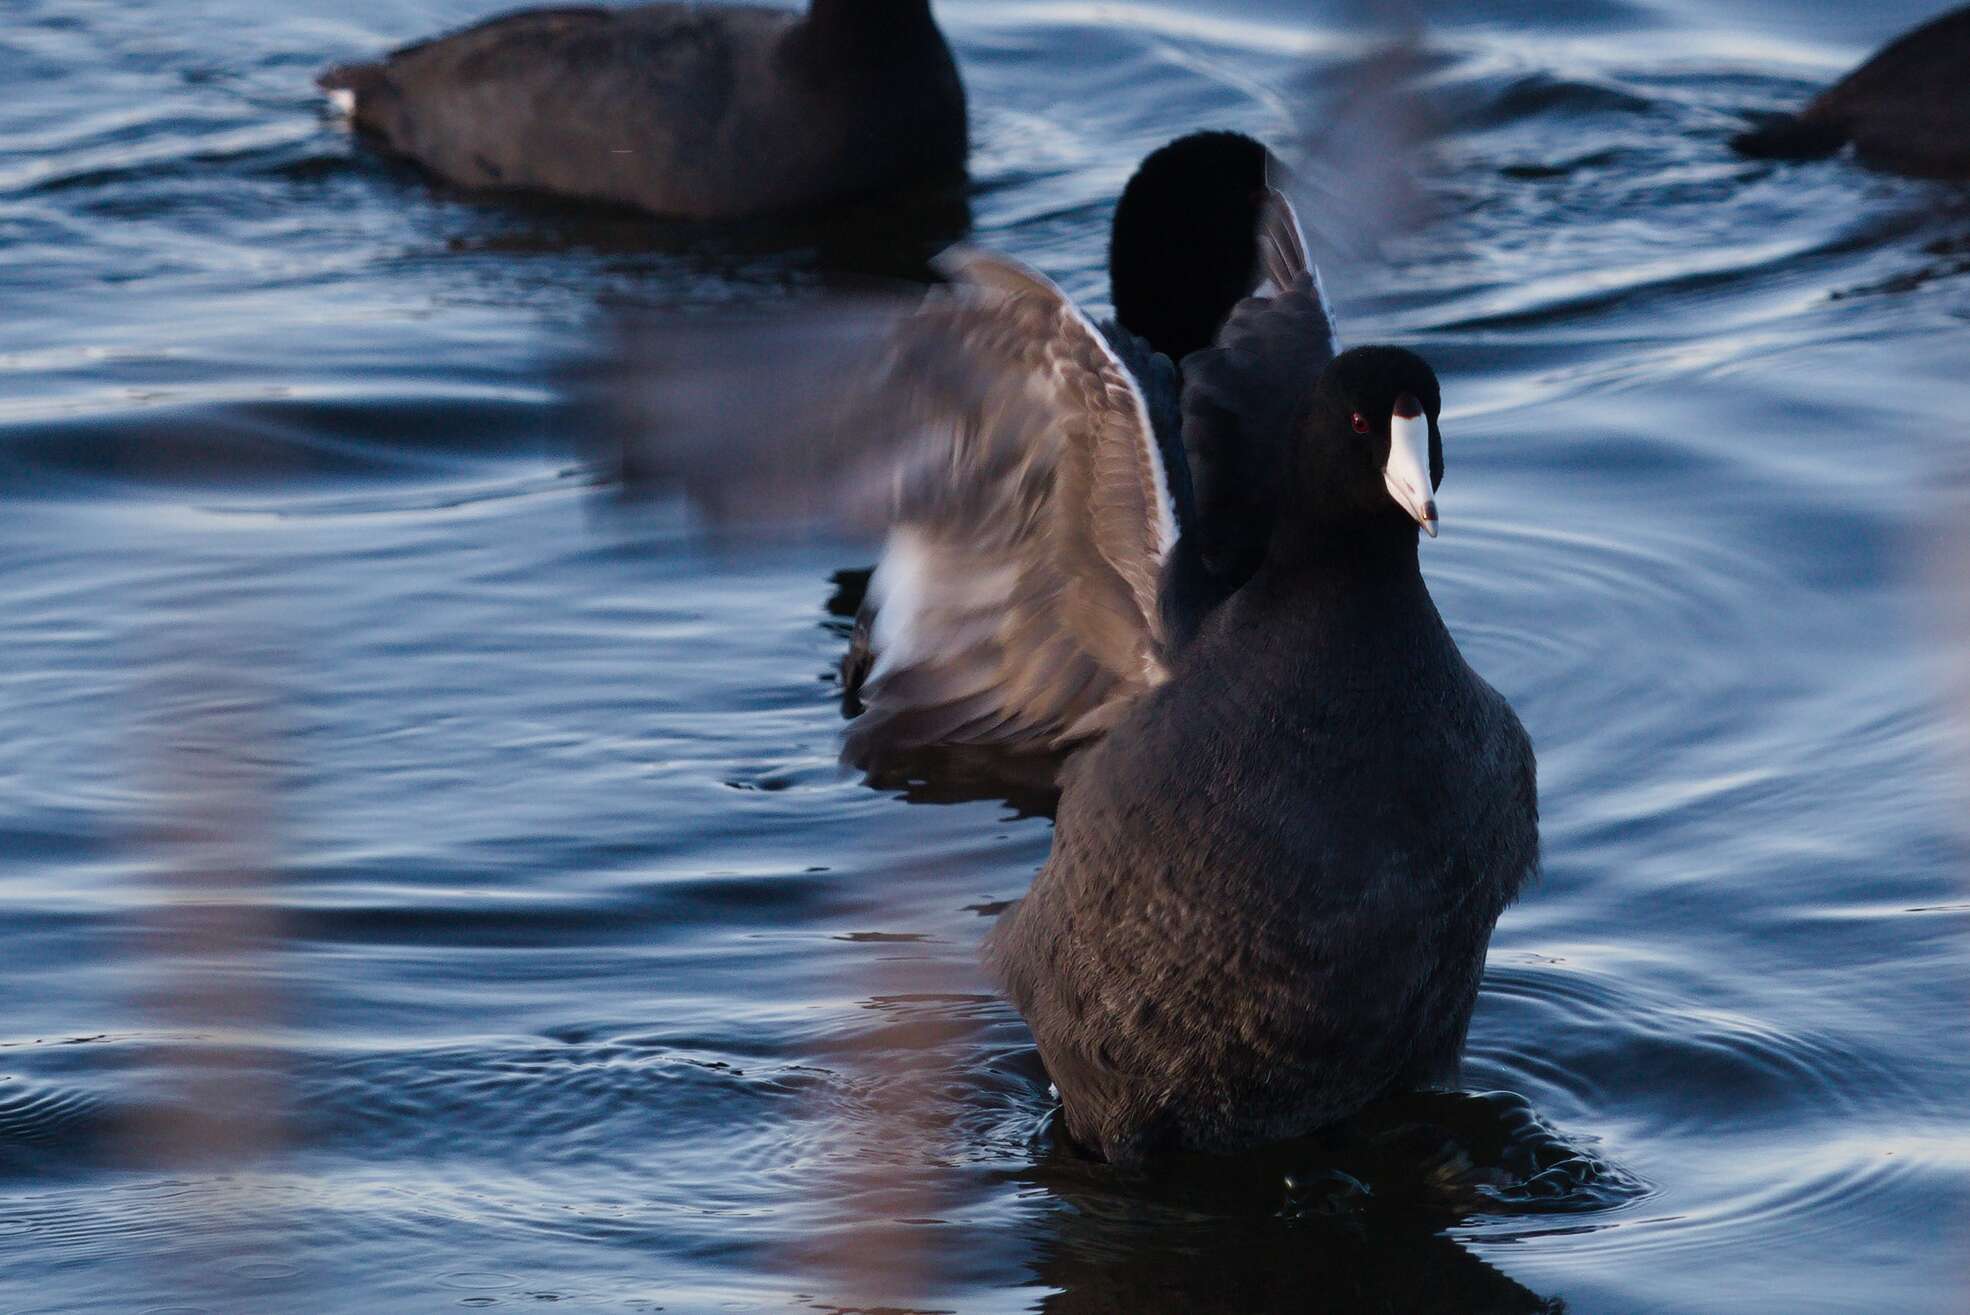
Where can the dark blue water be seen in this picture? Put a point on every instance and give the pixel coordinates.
(426, 885)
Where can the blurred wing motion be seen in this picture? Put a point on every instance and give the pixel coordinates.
(1365, 143)
(1243, 397)
(1002, 442)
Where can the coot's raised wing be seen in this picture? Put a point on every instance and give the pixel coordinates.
(1243, 396)
(996, 435)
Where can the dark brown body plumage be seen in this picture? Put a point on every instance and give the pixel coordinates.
(1272, 886)
(693, 111)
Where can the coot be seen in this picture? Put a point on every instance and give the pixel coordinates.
(1274, 879)
(1906, 110)
(695, 111)
(1293, 813)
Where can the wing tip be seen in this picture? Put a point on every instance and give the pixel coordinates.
(962, 263)
(1282, 241)
(1285, 254)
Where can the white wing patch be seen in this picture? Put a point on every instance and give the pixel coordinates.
(896, 595)
(342, 100)
(930, 600)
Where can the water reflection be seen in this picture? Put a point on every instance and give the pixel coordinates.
(1104, 1266)
(1361, 1218)
(210, 1094)
(488, 919)
(893, 238)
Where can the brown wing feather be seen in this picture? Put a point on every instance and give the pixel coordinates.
(997, 437)
(1029, 622)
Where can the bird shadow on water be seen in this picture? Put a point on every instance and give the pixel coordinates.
(888, 237)
(1356, 1218)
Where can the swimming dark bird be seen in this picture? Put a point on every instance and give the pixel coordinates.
(1906, 110)
(695, 111)
(1293, 812)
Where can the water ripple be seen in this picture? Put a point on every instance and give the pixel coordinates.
(562, 962)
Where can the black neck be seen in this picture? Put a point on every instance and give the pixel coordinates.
(1320, 626)
(1380, 547)
(1356, 577)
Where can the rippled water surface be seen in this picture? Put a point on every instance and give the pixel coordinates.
(426, 885)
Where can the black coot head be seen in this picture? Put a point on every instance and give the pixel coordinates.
(1373, 450)
(1183, 248)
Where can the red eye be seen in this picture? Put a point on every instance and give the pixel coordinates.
(1360, 423)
